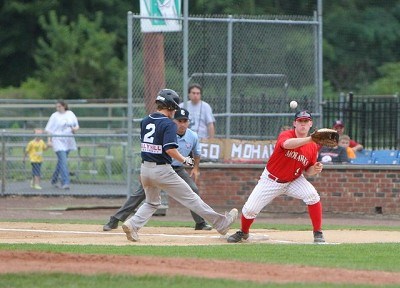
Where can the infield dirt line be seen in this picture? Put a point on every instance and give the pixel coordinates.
(24, 232)
(255, 237)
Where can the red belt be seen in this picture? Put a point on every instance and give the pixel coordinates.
(276, 179)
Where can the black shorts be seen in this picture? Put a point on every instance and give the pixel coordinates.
(36, 167)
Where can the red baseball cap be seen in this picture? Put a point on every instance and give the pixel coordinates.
(338, 123)
(303, 115)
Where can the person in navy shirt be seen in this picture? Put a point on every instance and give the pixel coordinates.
(158, 147)
(188, 143)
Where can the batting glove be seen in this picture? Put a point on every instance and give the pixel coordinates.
(189, 161)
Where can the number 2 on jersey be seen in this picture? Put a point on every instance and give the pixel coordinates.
(148, 137)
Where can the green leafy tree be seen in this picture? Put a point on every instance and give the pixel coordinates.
(359, 42)
(77, 60)
(18, 37)
(20, 29)
(389, 82)
(252, 7)
(222, 7)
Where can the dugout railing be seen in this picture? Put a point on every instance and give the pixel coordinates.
(372, 121)
(93, 114)
(97, 167)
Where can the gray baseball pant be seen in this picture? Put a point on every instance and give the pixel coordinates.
(139, 195)
(155, 178)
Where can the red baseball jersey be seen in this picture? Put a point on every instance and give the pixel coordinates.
(289, 164)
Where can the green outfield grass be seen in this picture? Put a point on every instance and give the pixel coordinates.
(383, 257)
(106, 281)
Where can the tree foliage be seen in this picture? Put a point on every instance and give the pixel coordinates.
(361, 39)
(359, 42)
(77, 60)
(389, 82)
(18, 37)
(20, 29)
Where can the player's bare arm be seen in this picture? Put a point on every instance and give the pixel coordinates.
(211, 130)
(178, 156)
(196, 169)
(174, 153)
(75, 129)
(293, 143)
(358, 147)
(315, 169)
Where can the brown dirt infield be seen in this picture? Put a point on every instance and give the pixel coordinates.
(16, 262)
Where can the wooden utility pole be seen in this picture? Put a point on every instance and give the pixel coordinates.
(154, 68)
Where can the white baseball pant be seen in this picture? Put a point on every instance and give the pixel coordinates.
(267, 189)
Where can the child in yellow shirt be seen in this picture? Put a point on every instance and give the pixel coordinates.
(35, 150)
(344, 141)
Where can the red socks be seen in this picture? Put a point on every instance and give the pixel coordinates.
(315, 212)
(246, 223)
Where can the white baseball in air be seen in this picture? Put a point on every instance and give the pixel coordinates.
(293, 104)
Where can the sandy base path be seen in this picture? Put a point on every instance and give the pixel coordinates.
(77, 234)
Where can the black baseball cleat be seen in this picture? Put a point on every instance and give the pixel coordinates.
(239, 236)
(318, 237)
(202, 226)
(112, 224)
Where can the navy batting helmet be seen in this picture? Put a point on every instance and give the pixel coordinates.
(169, 98)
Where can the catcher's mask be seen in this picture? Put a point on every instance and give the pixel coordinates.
(303, 115)
(169, 98)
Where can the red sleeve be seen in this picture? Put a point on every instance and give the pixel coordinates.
(283, 137)
(353, 143)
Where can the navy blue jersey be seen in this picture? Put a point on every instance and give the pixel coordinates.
(157, 134)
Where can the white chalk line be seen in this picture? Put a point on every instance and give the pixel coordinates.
(103, 233)
(106, 233)
(253, 237)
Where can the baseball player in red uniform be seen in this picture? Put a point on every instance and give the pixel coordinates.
(295, 154)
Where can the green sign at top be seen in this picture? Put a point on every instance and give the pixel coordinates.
(160, 8)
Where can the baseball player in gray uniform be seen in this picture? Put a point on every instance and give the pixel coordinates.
(158, 147)
(188, 143)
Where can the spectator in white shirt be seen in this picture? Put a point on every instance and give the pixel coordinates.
(62, 122)
(201, 116)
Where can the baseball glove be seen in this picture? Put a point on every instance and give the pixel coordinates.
(325, 137)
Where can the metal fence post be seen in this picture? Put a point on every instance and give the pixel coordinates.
(185, 52)
(364, 123)
(398, 122)
(342, 104)
(3, 164)
(129, 148)
(318, 63)
(350, 114)
(229, 78)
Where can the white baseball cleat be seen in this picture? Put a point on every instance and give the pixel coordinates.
(231, 217)
(131, 233)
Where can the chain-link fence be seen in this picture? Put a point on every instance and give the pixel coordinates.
(97, 167)
(250, 69)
